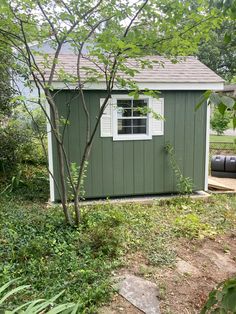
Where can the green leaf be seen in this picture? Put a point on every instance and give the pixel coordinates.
(203, 99)
(61, 308)
(45, 304)
(32, 304)
(4, 287)
(234, 123)
(210, 302)
(227, 38)
(222, 108)
(228, 101)
(16, 310)
(229, 300)
(215, 99)
(13, 291)
(76, 308)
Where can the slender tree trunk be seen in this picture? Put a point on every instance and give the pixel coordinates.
(78, 187)
(56, 125)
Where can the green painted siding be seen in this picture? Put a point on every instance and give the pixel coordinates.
(123, 168)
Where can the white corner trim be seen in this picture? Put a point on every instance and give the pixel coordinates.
(207, 146)
(149, 85)
(50, 157)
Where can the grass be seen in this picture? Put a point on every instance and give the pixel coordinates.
(222, 138)
(38, 247)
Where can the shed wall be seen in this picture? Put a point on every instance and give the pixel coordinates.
(124, 168)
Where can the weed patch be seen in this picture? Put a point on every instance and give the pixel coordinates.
(37, 246)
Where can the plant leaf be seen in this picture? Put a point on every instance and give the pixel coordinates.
(203, 99)
(215, 99)
(13, 291)
(76, 308)
(4, 287)
(228, 101)
(60, 308)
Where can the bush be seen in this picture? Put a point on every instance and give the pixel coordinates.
(222, 299)
(19, 144)
(13, 146)
(219, 122)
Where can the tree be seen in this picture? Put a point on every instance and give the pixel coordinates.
(219, 122)
(114, 31)
(218, 51)
(6, 90)
(221, 101)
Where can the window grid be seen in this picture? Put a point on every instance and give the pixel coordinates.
(134, 127)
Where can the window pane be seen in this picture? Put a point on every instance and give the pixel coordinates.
(138, 106)
(132, 126)
(139, 130)
(139, 112)
(125, 130)
(140, 122)
(125, 103)
(125, 126)
(140, 103)
(124, 112)
(124, 122)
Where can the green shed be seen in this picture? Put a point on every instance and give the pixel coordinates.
(128, 157)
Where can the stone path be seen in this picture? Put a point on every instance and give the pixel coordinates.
(142, 293)
(184, 267)
(222, 261)
(198, 270)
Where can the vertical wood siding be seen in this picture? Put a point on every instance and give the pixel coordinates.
(119, 168)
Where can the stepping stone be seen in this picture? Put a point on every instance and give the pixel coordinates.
(140, 292)
(184, 267)
(223, 262)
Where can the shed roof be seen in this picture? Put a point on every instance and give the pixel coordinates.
(187, 70)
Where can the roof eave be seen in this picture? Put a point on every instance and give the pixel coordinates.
(216, 86)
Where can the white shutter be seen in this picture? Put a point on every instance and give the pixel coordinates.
(157, 126)
(106, 119)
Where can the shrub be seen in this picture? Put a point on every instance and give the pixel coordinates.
(13, 145)
(19, 143)
(219, 122)
(222, 299)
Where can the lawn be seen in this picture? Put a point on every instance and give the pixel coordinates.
(37, 247)
(222, 138)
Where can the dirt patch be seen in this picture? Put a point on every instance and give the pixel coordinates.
(207, 263)
(119, 305)
(215, 260)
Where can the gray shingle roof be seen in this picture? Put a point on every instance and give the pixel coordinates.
(187, 70)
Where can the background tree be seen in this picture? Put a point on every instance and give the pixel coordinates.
(113, 32)
(219, 122)
(222, 102)
(218, 52)
(6, 89)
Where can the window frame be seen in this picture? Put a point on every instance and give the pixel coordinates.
(129, 137)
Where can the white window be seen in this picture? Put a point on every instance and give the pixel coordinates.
(128, 119)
